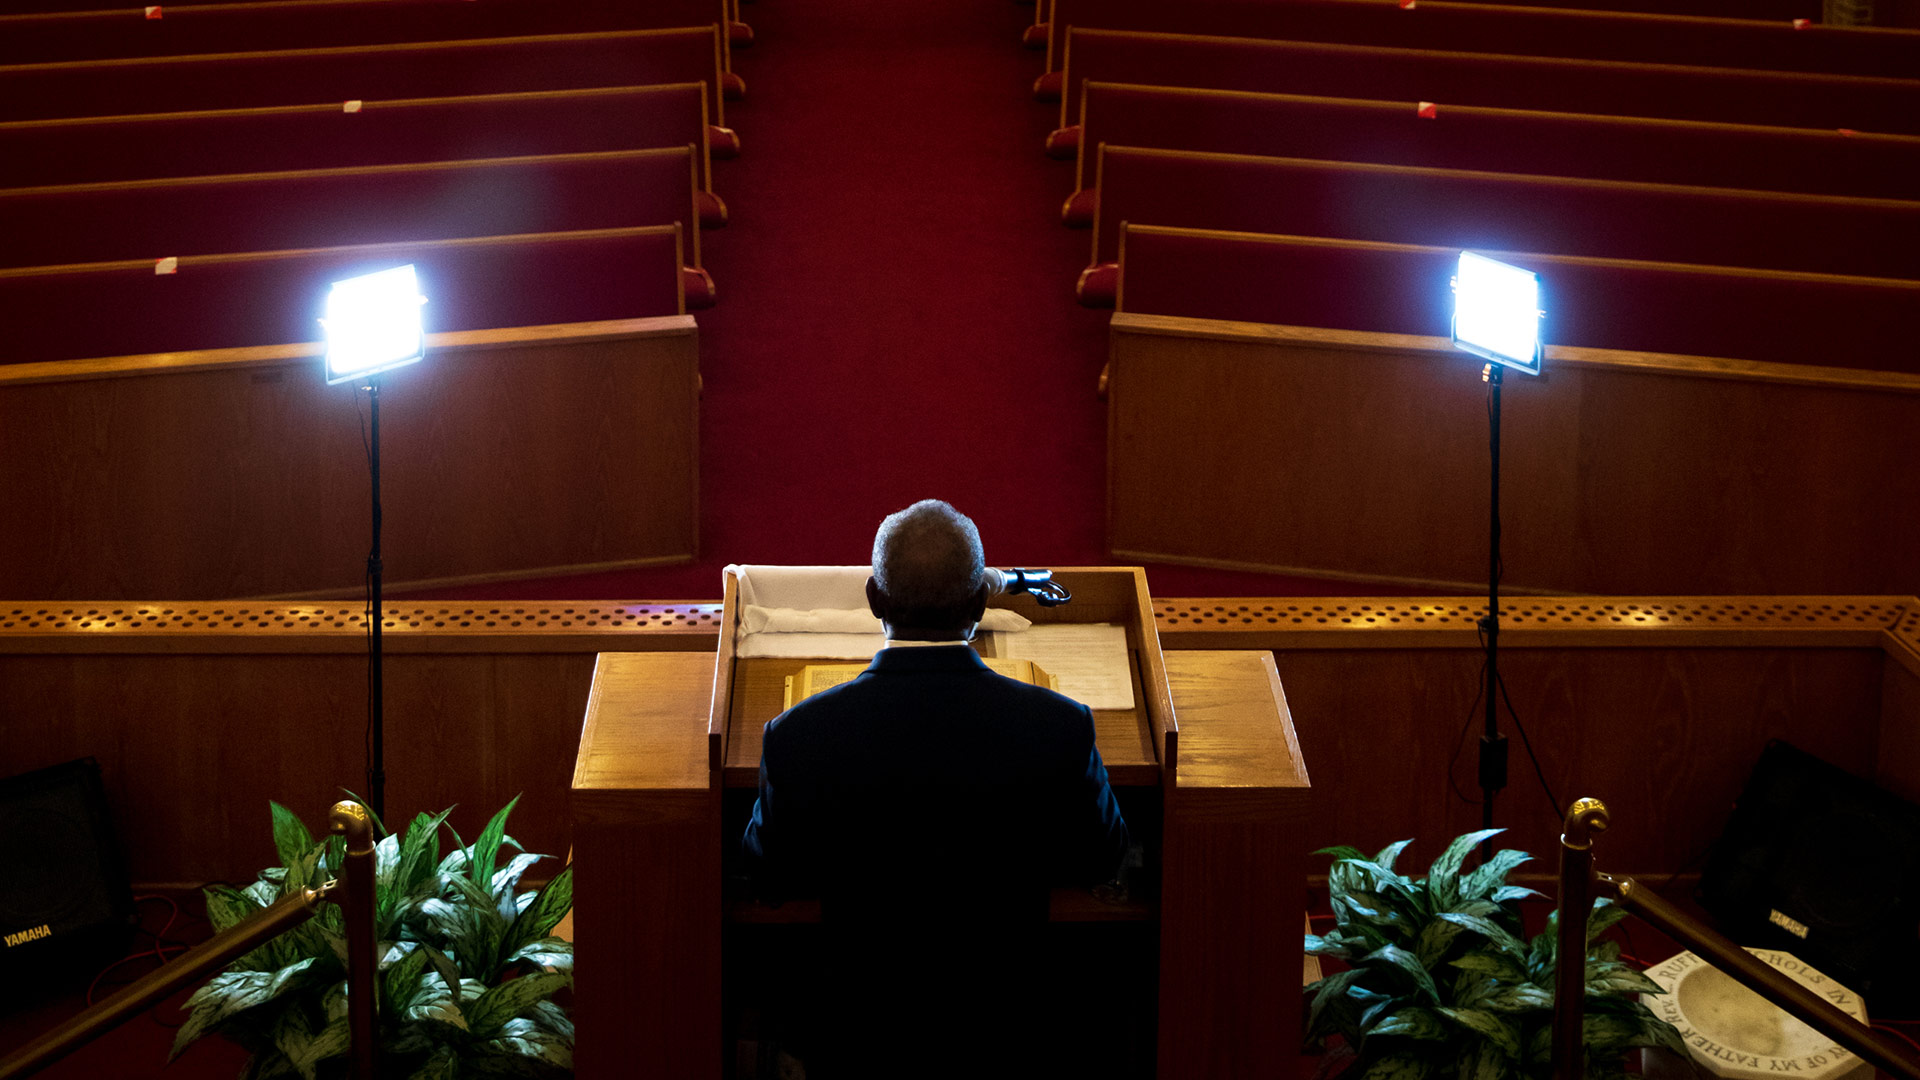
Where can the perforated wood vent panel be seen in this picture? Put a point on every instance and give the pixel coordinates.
(1331, 622)
(404, 625)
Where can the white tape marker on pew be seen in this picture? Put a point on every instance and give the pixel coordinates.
(153, 11)
(1426, 110)
(168, 265)
(351, 106)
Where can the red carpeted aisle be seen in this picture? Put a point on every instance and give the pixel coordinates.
(895, 315)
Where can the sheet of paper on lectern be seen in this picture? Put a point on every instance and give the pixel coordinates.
(1088, 659)
(817, 677)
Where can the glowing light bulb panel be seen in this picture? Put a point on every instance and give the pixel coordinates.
(373, 324)
(1496, 312)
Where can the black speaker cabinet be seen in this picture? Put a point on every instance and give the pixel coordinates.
(1824, 865)
(65, 905)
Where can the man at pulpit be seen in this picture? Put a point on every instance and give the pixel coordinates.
(931, 804)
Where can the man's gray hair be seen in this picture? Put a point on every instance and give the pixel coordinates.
(927, 558)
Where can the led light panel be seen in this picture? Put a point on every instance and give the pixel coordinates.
(1496, 312)
(373, 324)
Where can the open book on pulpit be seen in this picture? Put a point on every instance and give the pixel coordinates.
(814, 678)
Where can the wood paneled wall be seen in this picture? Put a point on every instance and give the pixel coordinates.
(1659, 706)
(201, 713)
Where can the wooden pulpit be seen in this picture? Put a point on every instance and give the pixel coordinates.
(671, 740)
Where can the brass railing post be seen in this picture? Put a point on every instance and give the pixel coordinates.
(351, 820)
(1585, 818)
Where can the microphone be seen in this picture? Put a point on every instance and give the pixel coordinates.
(1037, 583)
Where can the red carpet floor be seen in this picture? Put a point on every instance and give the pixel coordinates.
(896, 316)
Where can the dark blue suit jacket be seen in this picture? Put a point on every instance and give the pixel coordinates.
(929, 773)
(930, 804)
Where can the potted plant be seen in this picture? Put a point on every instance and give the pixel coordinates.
(467, 971)
(1441, 982)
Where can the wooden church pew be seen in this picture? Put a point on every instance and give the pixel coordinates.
(1364, 456)
(274, 297)
(1502, 140)
(240, 472)
(275, 211)
(378, 132)
(306, 76)
(1524, 31)
(1765, 315)
(1497, 212)
(124, 30)
(1515, 82)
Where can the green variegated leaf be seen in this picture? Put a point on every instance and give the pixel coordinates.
(1398, 1067)
(506, 880)
(441, 1066)
(1377, 1007)
(1488, 1025)
(228, 994)
(1492, 874)
(486, 848)
(1443, 877)
(551, 953)
(1510, 894)
(449, 973)
(419, 850)
(1319, 946)
(1326, 991)
(1612, 976)
(1495, 935)
(1413, 1023)
(540, 917)
(1489, 1064)
(1517, 998)
(1435, 940)
(386, 856)
(1540, 1046)
(1416, 972)
(1490, 962)
(554, 1018)
(290, 836)
(1664, 1036)
(1342, 852)
(334, 1040)
(401, 982)
(1391, 854)
(228, 906)
(1605, 914)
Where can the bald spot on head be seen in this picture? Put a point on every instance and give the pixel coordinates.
(928, 561)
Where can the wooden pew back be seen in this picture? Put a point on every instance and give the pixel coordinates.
(1364, 456)
(146, 146)
(275, 297)
(125, 31)
(239, 472)
(333, 75)
(1522, 31)
(1477, 78)
(1501, 140)
(329, 207)
(1592, 303)
(1504, 212)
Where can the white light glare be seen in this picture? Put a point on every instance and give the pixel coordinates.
(373, 324)
(1496, 312)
